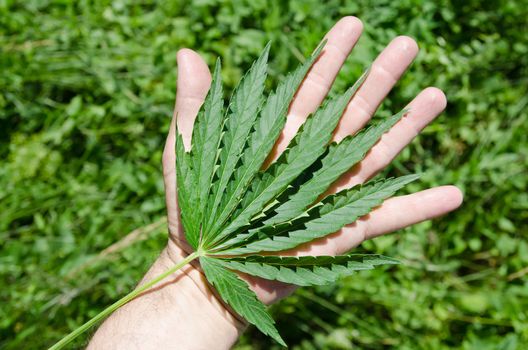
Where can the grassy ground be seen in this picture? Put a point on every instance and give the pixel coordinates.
(86, 91)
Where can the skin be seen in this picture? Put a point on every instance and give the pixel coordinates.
(182, 312)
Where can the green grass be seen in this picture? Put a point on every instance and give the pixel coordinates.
(86, 94)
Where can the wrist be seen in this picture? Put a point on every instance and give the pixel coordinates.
(178, 312)
(176, 252)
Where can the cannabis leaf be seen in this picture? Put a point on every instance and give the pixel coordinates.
(237, 208)
(328, 216)
(266, 131)
(187, 200)
(304, 270)
(305, 149)
(238, 217)
(238, 295)
(243, 107)
(340, 158)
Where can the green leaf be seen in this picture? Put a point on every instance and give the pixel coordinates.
(230, 207)
(237, 294)
(305, 270)
(307, 146)
(206, 137)
(243, 109)
(267, 129)
(327, 217)
(187, 198)
(340, 158)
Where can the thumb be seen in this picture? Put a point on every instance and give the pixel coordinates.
(194, 80)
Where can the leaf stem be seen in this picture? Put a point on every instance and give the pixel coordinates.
(106, 312)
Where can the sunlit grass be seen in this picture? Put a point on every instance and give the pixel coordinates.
(86, 92)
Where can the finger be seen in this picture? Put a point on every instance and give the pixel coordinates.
(341, 39)
(194, 80)
(394, 214)
(383, 75)
(422, 110)
(193, 83)
(403, 211)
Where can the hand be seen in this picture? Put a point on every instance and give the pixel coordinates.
(398, 212)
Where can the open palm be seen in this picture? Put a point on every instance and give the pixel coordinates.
(193, 83)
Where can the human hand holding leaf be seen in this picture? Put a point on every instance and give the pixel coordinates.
(239, 210)
(270, 187)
